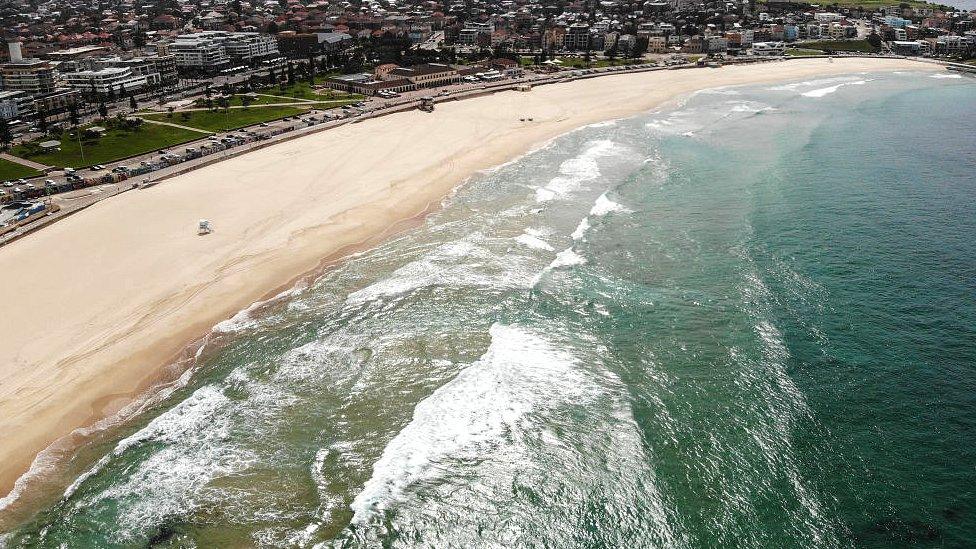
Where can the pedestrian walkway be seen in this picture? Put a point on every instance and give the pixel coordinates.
(24, 162)
(161, 123)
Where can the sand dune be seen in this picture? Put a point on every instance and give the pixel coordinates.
(95, 305)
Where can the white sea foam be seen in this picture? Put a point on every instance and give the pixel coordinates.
(195, 447)
(749, 106)
(533, 242)
(567, 258)
(820, 92)
(520, 374)
(793, 86)
(494, 426)
(719, 91)
(543, 194)
(564, 259)
(244, 319)
(784, 407)
(580, 232)
(443, 265)
(944, 75)
(604, 205)
(575, 171)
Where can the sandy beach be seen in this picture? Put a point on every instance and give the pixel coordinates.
(97, 304)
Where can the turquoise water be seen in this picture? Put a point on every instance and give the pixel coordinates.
(747, 321)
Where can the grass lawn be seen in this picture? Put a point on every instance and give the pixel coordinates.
(231, 119)
(875, 4)
(237, 102)
(13, 170)
(302, 90)
(802, 52)
(841, 45)
(113, 145)
(580, 63)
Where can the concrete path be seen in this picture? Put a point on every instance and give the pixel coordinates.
(161, 123)
(24, 162)
(322, 105)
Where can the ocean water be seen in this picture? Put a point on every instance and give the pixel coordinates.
(966, 5)
(744, 321)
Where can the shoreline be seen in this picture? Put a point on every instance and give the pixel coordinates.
(166, 286)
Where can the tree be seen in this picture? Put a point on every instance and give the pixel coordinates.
(111, 93)
(272, 28)
(73, 114)
(875, 40)
(246, 100)
(132, 102)
(209, 104)
(311, 70)
(169, 112)
(223, 102)
(291, 73)
(206, 91)
(640, 47)
(272, 77)
(5, 136)
(42, 120)
(121, 91)
(611, 53)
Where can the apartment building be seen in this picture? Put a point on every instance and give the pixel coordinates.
(246, 46)
(107, 80)
(471, 32)
(14, 104)
(210, 50)
(577, 37)
(158, 71)
(33, 76)
(194, 52)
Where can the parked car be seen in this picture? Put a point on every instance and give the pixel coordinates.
(49, 182)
